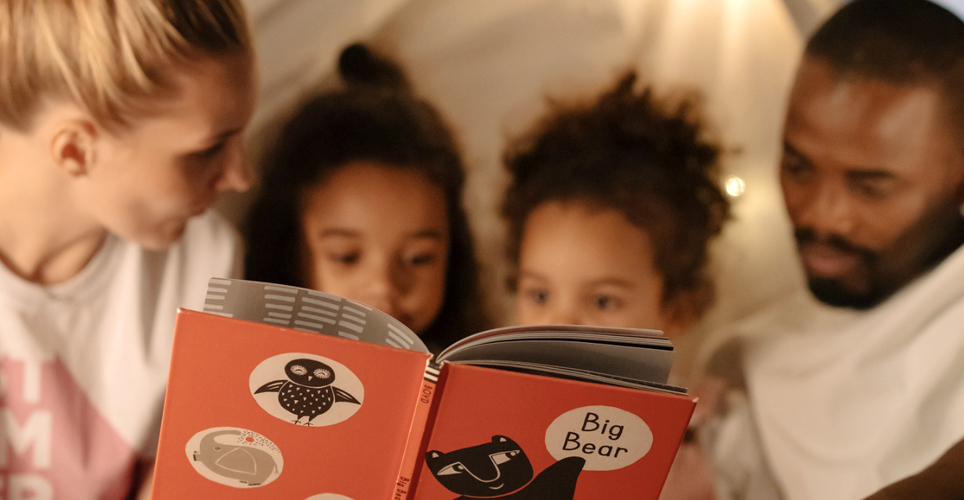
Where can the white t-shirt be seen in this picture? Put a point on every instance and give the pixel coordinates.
(846, 402)
(83, 364)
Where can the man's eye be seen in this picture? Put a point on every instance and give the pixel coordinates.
(795, 168)
(872, 190)
(345, 259)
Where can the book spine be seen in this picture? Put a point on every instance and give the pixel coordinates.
(411, 458)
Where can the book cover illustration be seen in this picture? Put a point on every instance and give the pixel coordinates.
(500, 468)
(306, 387)
(235, 457)
(579, 440)
(259, 405)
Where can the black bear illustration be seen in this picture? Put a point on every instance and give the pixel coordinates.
(308, 391)
(246, 464)
(501, 469)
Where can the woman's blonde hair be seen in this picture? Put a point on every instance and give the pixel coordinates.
(106, 56)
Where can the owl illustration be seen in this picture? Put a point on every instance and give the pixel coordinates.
(308, 391)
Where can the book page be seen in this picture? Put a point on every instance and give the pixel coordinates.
(581, 375)
(619, 360)
(309, 311)
(634, 336)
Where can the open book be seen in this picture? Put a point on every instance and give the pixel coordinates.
(258, 401)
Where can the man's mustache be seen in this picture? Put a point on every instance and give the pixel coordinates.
(806, 236)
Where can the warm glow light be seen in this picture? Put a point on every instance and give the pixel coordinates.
(735, 186)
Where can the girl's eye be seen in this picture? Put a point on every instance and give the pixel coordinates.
(604, 302)
(421, 259)
(538, 295)
(345, 259)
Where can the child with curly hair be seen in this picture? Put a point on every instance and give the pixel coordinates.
(610, 211)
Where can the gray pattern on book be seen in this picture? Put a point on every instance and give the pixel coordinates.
(307, 310)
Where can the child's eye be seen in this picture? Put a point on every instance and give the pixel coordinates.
(344, 258)
(537, 295)
(604, 302)
(420, 259)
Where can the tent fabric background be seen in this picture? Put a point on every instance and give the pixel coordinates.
(489, 65)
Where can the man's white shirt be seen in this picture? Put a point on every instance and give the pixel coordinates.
(845, 402)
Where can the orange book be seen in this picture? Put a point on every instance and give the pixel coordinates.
(259, 405)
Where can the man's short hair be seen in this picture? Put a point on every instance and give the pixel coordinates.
(106, 56)
(902, 42)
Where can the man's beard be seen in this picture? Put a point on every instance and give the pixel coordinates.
(879, 274)
(836, 291)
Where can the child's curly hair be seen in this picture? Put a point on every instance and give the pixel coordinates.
(631, 152)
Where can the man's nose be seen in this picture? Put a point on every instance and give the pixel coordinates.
(829, 212)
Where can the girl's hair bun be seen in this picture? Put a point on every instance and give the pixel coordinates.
(358, 65)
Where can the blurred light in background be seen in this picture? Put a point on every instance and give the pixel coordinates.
(735, 186)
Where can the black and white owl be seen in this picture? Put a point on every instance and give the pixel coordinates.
(308, 391)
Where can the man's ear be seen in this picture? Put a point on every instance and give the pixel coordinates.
(73, 146)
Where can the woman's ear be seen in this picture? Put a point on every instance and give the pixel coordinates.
(73, 146)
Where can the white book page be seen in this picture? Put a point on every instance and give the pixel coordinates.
(620, 360)
(307, 310)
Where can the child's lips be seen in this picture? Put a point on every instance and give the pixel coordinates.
(826, 261)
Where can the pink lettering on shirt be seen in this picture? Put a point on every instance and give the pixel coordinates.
(54, 444)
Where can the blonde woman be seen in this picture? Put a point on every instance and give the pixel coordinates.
(120, 123)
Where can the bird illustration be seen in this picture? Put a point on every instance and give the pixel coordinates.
(308, 391)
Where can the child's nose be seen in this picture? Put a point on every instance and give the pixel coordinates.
(382, 288)
(563, 316)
